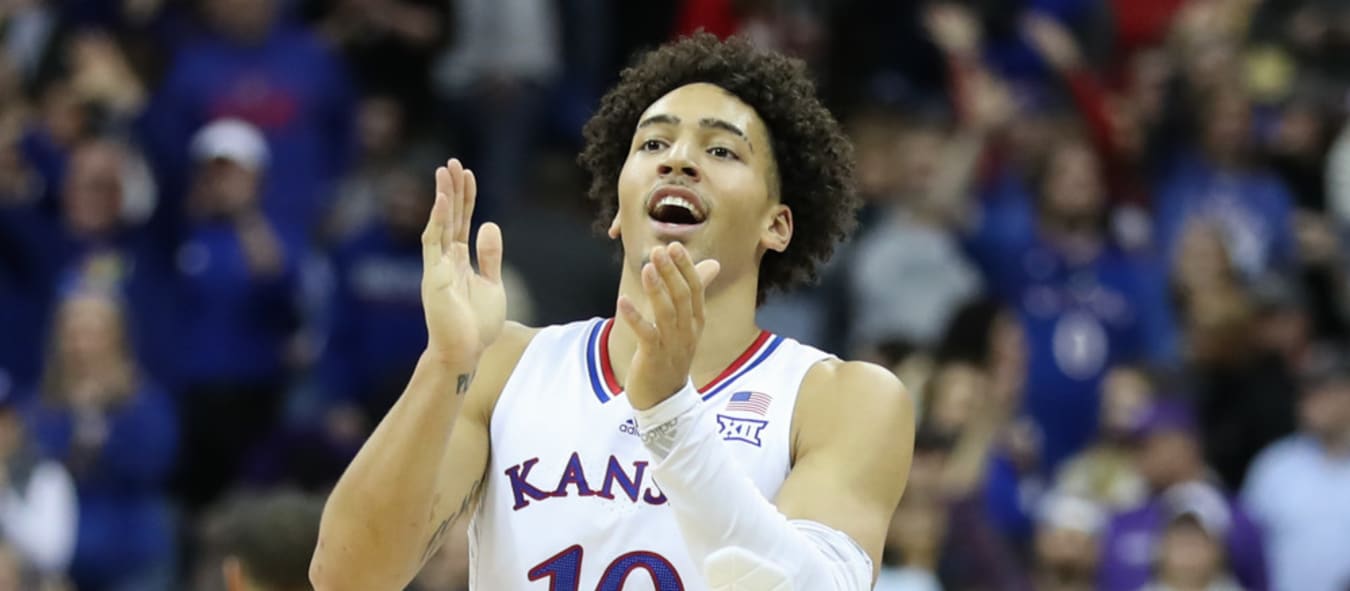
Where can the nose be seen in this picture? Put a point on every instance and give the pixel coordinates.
(678, 163)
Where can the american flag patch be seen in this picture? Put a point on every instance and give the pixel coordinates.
(755, 402)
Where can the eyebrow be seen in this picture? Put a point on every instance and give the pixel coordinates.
(707, 122)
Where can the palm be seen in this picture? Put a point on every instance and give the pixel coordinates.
(464, 309)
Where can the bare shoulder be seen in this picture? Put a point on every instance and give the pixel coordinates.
(856, 397)
(495, 367)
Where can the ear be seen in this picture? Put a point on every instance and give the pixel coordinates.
(234, 574)
(777, 229)
(614, 227)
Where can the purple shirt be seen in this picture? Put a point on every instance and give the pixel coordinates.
(1130, 540)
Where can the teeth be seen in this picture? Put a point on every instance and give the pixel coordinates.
(678, 202)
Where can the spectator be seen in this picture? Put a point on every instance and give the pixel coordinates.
(1190, 555)
(384, 147)
(236, 288)
(505, 59)
(38, 511)
(1296, 488)
(390, 45)
(1066, 544)
(114, 428)
(1224, 184)
(257, 67)
(907, 275)
(1241, 383)
(268, 540)
(1086, 304)
(378, 331)
(1105, 473)
(918, 530)
(1171, 463)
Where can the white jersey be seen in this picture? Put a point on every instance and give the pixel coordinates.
(570, 504)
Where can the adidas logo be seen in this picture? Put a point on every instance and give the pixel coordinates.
(630, 427)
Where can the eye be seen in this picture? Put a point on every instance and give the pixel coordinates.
(652, 145)
(723, 153)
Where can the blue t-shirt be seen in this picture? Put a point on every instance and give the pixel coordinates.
(1253, 209)
(378, 330)
(1080, 318)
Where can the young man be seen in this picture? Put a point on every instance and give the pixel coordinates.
(681, 440)
(266, 540)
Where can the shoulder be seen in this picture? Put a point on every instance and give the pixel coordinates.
(1277, 455)
(862, 397)
(495, 368)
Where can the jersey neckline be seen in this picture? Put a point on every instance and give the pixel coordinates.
(606, 385)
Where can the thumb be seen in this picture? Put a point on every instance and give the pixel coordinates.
(707, 270)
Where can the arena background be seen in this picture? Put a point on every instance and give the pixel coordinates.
(1104, 245)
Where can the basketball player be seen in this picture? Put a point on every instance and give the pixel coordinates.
(678, 447)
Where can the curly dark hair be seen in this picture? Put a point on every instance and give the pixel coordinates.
(814, 159)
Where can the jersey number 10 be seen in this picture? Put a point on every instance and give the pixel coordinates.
(563, 571)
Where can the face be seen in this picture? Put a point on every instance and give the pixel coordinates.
(380, 124)
(1325, 410)
(89, 331)
(1126, 393)
(876, 149)
(919, 160)
(406, 204)
(92, 198)
(1073, 187)
(225, 186)
(1227, 124)
(956, 395)
(700, 171)
(244, 20)
(1167, 458)
(1067, 551)
(1187, 553)
(1202, 259)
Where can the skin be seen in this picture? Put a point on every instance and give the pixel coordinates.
(849, 460)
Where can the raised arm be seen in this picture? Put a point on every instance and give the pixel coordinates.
(421, 469)
(853, 432)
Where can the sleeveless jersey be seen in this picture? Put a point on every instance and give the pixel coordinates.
(570, 503)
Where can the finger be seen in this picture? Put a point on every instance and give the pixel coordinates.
(455, 170)
(663, 310)
(676, 286)
(708, 270)
(431, 236)
(685, 264)
(630, 315)
(466, 212)
(446, 187)
(490, 252)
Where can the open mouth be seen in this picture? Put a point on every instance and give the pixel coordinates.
(676, 205)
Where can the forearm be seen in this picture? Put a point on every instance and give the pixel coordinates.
(719, 510)
(375, 528)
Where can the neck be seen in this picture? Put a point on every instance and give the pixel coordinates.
(728, 326)
(1078, 239)
(1185, 583)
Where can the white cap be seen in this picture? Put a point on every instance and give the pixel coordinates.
(232, 139)
(1065, 511)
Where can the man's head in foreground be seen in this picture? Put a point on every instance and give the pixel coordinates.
(268, 541)
(726, 149)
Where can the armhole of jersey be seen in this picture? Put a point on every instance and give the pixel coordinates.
(814, 357)
(545, 343)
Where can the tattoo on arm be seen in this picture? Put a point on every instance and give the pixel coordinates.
(462, 383)
(434, 543)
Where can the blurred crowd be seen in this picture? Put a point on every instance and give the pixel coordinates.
(1104, 245)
